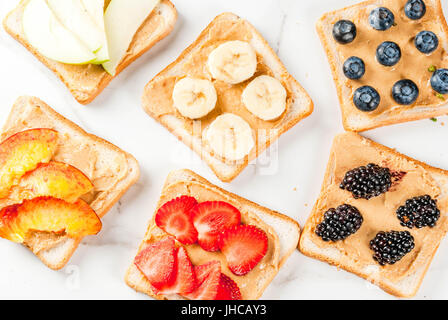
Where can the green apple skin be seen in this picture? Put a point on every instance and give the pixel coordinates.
(122, 20)
(50, 37)
(72, 15)
(95, 9)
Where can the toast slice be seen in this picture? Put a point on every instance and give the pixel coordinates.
(413, 64)
(353, 254)
(283, 234)
(86, 82)
(111, 170)
(158, 103)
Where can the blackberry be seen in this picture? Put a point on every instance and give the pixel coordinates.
(339, 223)
(419, 212)
(390, 247)
(367, 181)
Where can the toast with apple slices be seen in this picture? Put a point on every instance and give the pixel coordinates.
(86, 82)
(22, 152)
(111, 170)
(158, 99)
(282, 232)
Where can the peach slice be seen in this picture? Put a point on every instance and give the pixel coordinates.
(22, 152)
(50, 215)
(55, 179)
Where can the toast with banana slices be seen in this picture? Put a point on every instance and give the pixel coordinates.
(227, 96)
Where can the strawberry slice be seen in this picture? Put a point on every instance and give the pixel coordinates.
(228, 289)
(174, 218)
(208, 276)
(210, 218)
(243, 246)
(184, 278)
(157, 262)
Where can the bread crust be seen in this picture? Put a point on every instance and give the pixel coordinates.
(131, 176)
(428, 111)
(309, 225)
(87, 96)
(201, 149)
(189, 175)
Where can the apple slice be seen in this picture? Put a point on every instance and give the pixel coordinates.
(22, 152)
(55, 179)
(73, 15)
(49, 215)
(95, 9)
(48, 35)
(122, 20)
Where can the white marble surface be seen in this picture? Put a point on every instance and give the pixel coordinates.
(97, 268)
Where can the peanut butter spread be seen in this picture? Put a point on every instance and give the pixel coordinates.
(413, 64)
(159, 92)
(249, 284)
(379, 213)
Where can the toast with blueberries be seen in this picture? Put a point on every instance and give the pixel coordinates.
(380, 215)
(388, 61)
(204, 243)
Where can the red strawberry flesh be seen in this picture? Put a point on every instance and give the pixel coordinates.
(210, 218)
(184, 278)
(228, 289)
(174, 218)
(243, 246)
(208, 278)
(157, 262)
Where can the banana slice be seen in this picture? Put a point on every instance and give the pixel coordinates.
(230, 136)
(233, 62)
(265, 97)
(194, 98)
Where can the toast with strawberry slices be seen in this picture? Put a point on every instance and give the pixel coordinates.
(224, 224)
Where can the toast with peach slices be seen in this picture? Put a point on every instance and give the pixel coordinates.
(193, 245)
(86, 82)
(57, 181)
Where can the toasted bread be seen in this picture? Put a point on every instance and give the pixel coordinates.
(283, 234)
(158, 103)
(86, 82)
(111, 170)
(428, 104)
(353, 254)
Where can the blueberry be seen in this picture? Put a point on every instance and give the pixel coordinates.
(426, 41)
(381, 18)
(388, 53)
(439, 81)
(366, 98)
(415, 9)
(405, 92)
(344, 31)
(354, 68)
